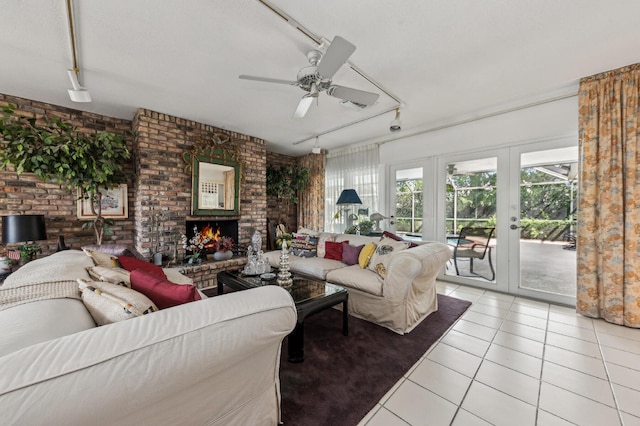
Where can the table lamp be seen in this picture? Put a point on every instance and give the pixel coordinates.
(347, 198)
(23, 229)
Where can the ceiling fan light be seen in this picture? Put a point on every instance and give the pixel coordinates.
(314, 90)
(303, 106)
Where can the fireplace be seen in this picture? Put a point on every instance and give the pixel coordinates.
(213, 229)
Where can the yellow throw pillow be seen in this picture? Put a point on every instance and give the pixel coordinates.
(365, 254)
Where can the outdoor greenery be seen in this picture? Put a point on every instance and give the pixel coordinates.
(409, 203)
(546, 207)
(285, 182)
(55, 150)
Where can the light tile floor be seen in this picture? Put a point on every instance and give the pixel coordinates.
(510, 360)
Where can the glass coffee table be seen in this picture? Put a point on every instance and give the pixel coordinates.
(310, 295)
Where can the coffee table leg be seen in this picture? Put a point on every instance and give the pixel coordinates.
(220, 288)
(296, 343)
(345, 317)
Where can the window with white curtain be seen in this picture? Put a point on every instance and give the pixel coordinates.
(355, 168)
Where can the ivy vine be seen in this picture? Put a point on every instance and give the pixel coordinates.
(285, 182)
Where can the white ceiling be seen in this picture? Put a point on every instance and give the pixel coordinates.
(444, 60)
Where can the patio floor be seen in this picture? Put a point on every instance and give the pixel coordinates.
(545, 266)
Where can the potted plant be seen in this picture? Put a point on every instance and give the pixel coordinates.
(28, 252)
(55, 150)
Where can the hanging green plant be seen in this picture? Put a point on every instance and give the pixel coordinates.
(286, 181)
(56, 151)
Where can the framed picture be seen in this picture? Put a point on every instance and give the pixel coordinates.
(115, 204)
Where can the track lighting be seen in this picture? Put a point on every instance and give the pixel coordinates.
(396, 124)
(316, 148)
(78, 93)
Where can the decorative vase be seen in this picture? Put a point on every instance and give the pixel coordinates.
(256, 241)
(157, 259)
(284, 276)
(223, 255)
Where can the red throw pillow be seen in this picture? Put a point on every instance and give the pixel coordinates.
(131, 264)
(333, 250)
(163, 293)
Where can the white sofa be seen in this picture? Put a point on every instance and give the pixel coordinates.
(214, 361)
(398, 302)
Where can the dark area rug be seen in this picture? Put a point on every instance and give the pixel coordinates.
(343, 377)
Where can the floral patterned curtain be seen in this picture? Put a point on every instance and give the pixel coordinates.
(311, 200)
(608, 215)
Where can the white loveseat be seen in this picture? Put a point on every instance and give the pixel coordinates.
(213, 361)
(400, 300)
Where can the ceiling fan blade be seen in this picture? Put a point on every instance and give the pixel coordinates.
(337, 54)
(303, 106)
(353, 95)
(268, 80)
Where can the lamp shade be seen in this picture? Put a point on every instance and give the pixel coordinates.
(22, 228)
(349, 196)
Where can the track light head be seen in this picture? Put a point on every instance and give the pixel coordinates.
(316, 148)
(78, 93)
(396, 124)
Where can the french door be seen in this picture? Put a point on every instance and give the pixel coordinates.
(524, 197)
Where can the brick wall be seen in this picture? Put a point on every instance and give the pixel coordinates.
(158, 180)
(162, 182)
(28, 194)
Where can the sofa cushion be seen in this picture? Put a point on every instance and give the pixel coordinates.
(110, 275)
(101, 258)
(317, 267)
(116, 250)
(333, 250)
(108, 303)
(67, 265)
(30, 323)
(355, 239)
(381, 257)
(350, 254)
(131, 264)
(164, 294)
(358, 278)
(366, 254)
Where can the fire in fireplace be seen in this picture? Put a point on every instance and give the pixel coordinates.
(213, 230)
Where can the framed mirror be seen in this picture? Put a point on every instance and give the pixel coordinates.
(215, 181)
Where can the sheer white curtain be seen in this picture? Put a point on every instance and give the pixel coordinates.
(355, 168)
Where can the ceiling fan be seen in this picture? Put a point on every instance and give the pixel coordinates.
(317, 77)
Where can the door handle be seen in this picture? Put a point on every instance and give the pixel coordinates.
(514, 226)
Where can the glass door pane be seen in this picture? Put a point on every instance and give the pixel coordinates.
(548, 201)
(409, 203)
(470, 219)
